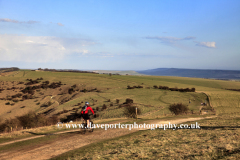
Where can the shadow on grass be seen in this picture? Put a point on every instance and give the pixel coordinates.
(223, 152)
(47, 134)
(219, 127)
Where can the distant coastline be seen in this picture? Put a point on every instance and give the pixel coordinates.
(197, 73)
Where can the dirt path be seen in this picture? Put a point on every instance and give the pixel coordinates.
(53, 149)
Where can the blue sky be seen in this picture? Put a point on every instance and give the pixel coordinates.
(120, 34)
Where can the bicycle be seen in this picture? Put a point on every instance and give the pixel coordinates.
(84, 126)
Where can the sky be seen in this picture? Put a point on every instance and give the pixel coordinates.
(120, 34)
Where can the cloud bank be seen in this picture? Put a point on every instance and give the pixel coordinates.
(15, 21)
(170, 39)
(207, 44)
(40, 48)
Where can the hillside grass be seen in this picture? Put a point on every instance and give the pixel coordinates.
(114, 87)
(207, 143)
(218, 138)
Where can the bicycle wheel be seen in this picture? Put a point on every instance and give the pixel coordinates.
(84, 127)
(92, 127)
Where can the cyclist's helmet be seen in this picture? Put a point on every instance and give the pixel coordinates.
(86, 103)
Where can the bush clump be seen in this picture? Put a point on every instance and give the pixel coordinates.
(96, 115)
(104, 107)
(130, 111)
(178, 108)
(128, 101)
(29, 120)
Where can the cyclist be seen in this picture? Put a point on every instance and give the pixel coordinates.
(85, 112)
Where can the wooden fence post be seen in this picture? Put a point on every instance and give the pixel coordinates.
(136, 113)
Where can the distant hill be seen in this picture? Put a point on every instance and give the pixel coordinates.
(8, 69)
(198, 73)
(116, 72)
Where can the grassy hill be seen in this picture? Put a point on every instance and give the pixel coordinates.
(117, 72)
(217, 139)
(115, 87)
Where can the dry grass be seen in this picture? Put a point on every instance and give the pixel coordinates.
(207, 143)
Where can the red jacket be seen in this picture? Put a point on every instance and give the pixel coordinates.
(88, 108)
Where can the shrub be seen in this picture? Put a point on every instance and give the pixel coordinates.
(31, 92)
(128, 101)
(49, 103)
(15, 100)
(111, 104)
(128, 87)
(178, 108)
(74, 86)
(117, 101)
(156, 87)
(130, 111)
(28, 120)
(97, 109)
(8, 103)
(9, 123)
(96, 115)
(165, 87)
(109, 100)
(54, 119)
(70, 90)
(104, 107)
(84, 90)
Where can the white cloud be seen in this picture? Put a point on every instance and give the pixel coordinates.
(15, 21)
(170, 39)
(60, 24)
(40, 48)
(206, 44)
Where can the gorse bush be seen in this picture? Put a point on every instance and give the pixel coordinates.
(130, 111)
(178, 108)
